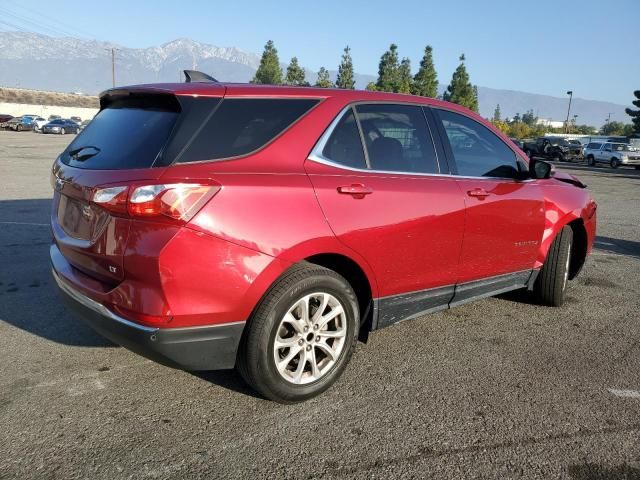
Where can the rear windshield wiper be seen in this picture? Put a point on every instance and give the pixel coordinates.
(91, 151)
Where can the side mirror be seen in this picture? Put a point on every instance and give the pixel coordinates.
(539, 169)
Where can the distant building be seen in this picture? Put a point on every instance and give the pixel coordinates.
(549, 123)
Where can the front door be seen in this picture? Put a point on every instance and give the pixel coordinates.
(504, 212)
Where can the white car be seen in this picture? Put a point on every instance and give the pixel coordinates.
(613, 154)
(38, 123)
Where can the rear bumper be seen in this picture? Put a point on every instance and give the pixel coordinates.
(190, 348)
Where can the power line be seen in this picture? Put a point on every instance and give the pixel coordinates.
(37, 25)
(72, 29)
(13, 26)
(31, 24)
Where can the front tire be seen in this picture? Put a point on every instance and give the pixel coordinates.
(615, 163)
(302, 335)
(551, 284)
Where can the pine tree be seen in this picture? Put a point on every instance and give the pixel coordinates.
(269, 71)
(324, 80)
(425, 82)
(635, 114)
(497, 115)
(460, 90)
(295, 74)
(345, 77)
(388, 70)
(405, 80)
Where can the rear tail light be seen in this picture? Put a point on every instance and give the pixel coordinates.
(177, 201)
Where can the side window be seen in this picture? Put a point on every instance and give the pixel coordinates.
(607, 147)
(344, 145)
(241, 125)
(477, 151)
(397, 138)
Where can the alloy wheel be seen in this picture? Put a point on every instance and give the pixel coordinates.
(310, 338)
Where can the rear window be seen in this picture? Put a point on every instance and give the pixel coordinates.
(594, 145)
(241, 126)
(128, 132)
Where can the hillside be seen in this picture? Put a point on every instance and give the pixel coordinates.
(38, 97)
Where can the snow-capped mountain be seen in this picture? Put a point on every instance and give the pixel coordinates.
(31, 60)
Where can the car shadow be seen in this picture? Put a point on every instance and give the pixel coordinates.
(229, 379)
(618, 246)
(28, 296)
(592, 471)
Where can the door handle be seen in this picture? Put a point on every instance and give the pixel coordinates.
(357, 190)
(478, 192)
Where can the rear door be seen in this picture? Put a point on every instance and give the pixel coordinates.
(393, 203)
(504, 215)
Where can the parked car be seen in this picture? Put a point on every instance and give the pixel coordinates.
(4, 119)
(613, 154)
(38, 123)
(519, 143)
(269, 227)
(61, 126)
(554, 148)
(54, 117)
(20, 124)
(78, 120)
(577, 147)
(84, 124)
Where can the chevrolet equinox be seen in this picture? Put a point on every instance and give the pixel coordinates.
(267, 228)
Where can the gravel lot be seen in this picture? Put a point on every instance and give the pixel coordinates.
(495, 389)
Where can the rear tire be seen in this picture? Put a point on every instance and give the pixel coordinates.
(551, 284)
(19, 128)
(280, 337)
(591, 160)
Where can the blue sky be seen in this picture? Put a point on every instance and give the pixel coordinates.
(538, 46)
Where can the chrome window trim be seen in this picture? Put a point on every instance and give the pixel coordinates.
(316, 151)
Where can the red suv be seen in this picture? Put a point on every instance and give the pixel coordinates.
(213, 226)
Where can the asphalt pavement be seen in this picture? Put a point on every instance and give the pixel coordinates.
(500, 388)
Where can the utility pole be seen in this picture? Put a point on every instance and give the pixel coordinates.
(609, 117)
(566, 124)
(113, 65)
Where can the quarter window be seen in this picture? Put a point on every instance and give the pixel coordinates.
(397, 138)
(477, 151)
(344, 145)
(241, 126)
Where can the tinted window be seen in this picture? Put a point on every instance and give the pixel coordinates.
(397, 138)
(240, 126)
(125, 137)
(478, 152)
(594, 145)
(344, 145)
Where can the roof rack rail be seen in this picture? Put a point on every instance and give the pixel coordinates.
(191, 76)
